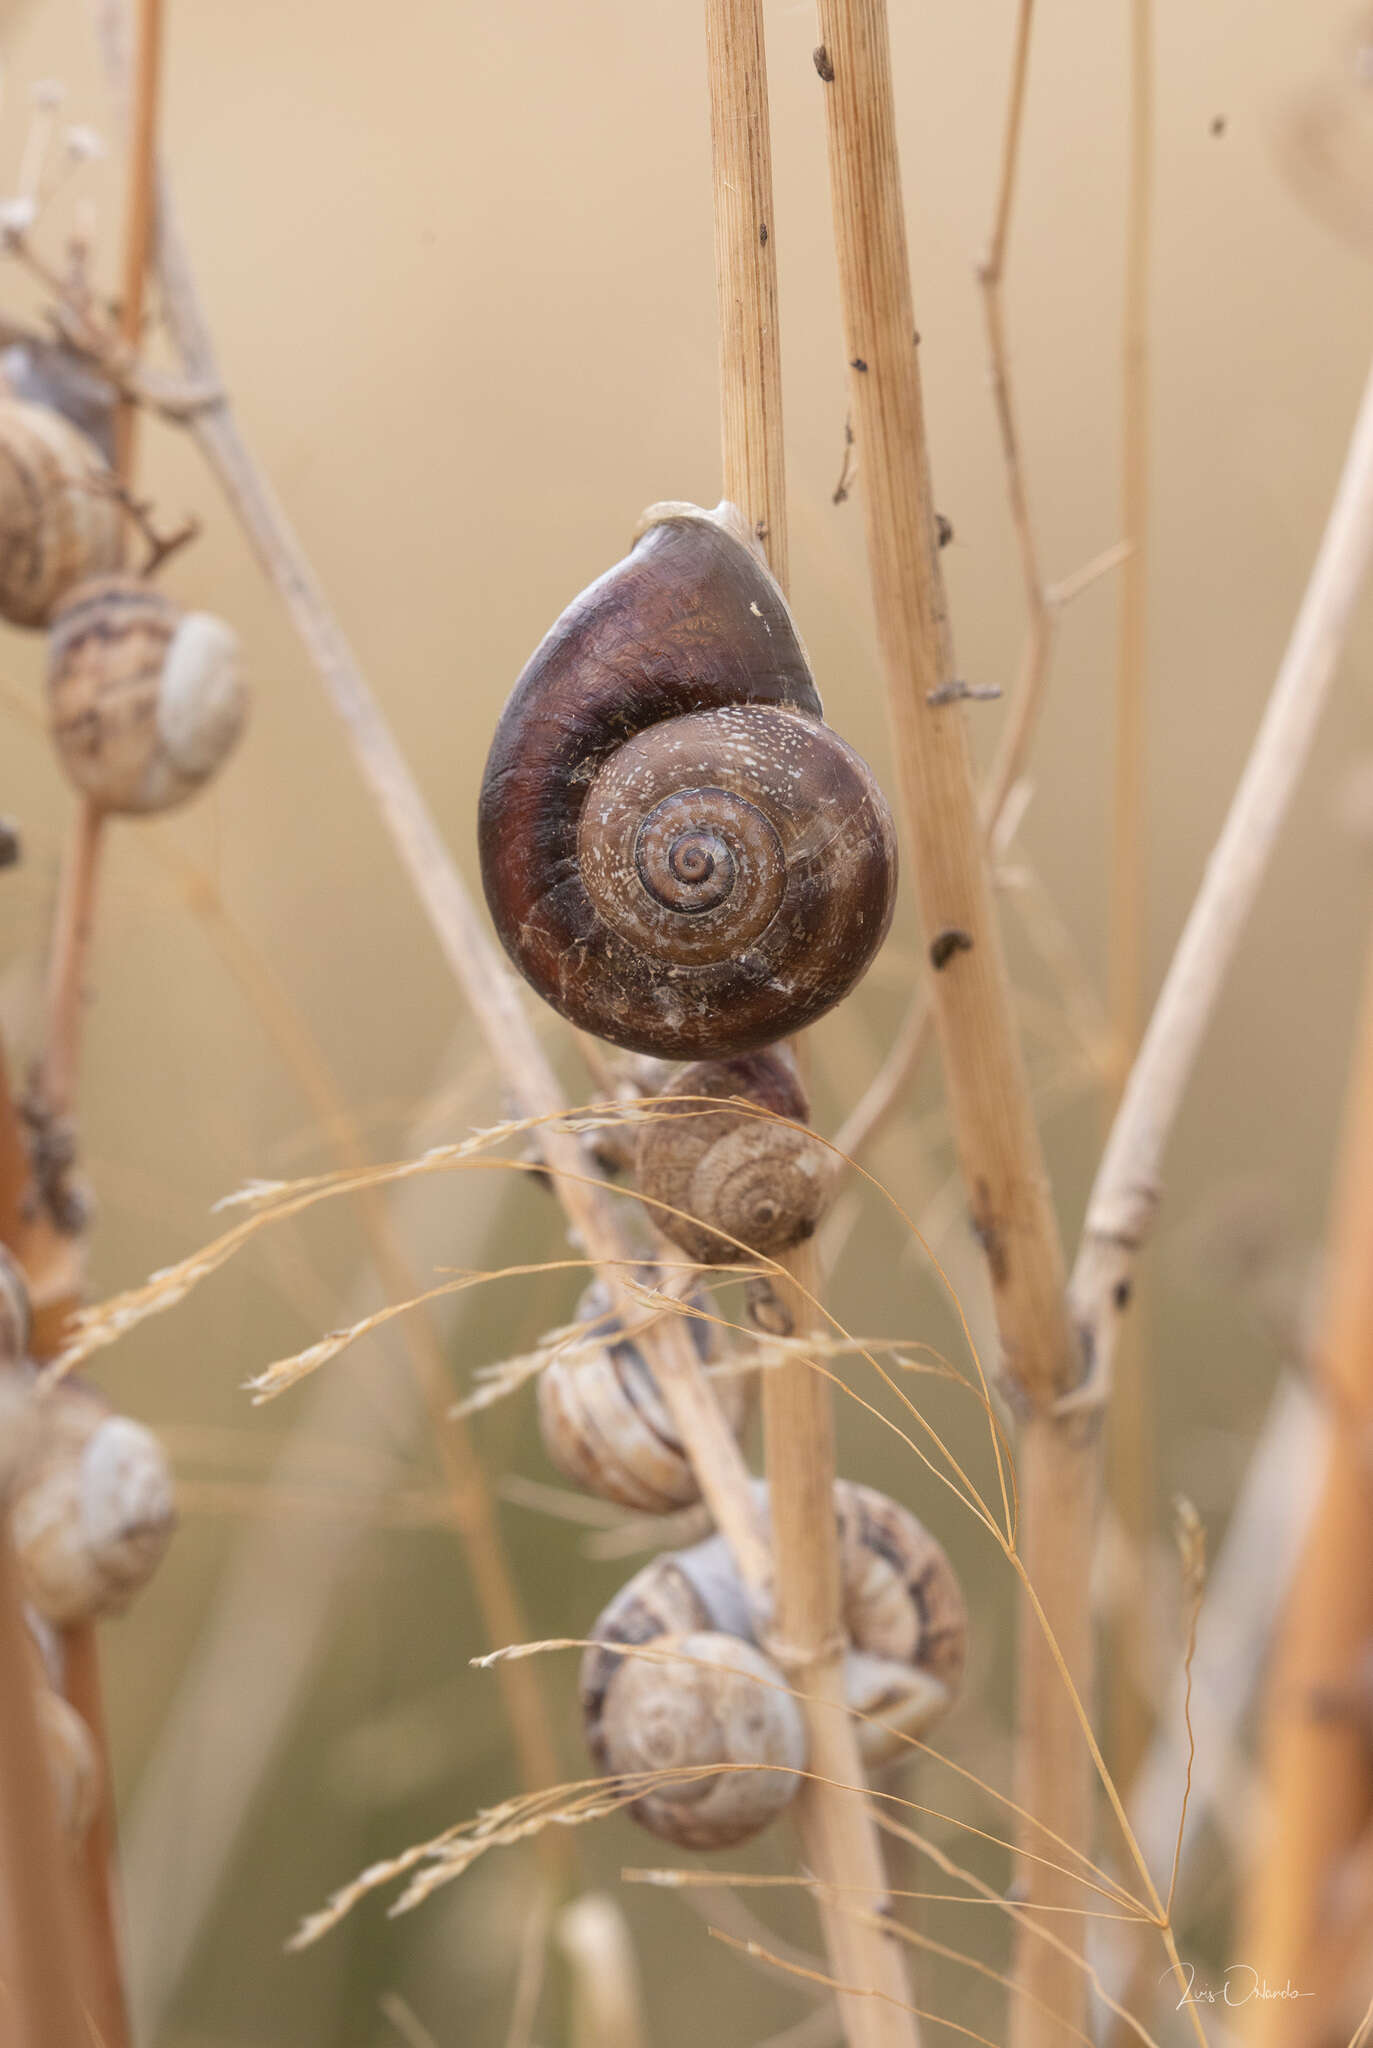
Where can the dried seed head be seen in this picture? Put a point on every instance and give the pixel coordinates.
(92, 1509)
(145, 700)
(758, 1181)
(716, 1700)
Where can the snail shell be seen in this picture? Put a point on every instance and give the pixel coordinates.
(59, 520)
(92, 1509)
(145, 700)
(903, 1612)
(764, 1184)
(605, 1425)
(717, 1700)
(677, 852)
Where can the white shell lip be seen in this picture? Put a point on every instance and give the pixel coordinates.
(202, 703)
(126, 1488)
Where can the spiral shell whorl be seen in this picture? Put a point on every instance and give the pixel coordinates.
(676, 851)
(59, 521)
(718, 1701)
(145, 700)
(760, 1182)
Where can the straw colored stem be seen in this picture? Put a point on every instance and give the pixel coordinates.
(1317, 1761)
(1124, 1197)
(838, 1833)
(994, 1131)
(139, 208)
(96, 1869)
(38, 1975)
(1130, 1459)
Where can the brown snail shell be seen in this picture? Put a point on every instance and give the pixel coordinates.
(677, 852)
(145, 699)
(49, 373)
(91, 1507)
(718, 1701)
(903, 1612)
(605, 1424)
(59, 519)
(763, 1184)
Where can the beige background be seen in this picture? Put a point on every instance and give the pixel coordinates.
(458, 260)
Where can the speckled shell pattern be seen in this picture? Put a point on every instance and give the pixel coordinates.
(605, 1425)
(677, 853)
(901, 1599)
(59, 520)
(144, 700)
(760, 1181)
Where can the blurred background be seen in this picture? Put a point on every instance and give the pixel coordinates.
(458, 262)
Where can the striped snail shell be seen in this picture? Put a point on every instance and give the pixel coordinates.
(738, 1179)
(59, 519)
(903, 1612)
(677, 852)
(91, 1507)
(145, 700)
(72, 1760)
(52, 374)
(605, 1425)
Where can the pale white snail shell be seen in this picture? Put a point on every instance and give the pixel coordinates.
(92, 1509)
(712, 1700)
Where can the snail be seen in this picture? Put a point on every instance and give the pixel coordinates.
(604, 1423)
(677, 852)
(907, 1624)
(145, 700)
(91, 1507)
(60, 520)
(763, 1184)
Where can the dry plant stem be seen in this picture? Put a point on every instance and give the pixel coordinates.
(1130, 1461)
(38, 1949)
(838, 1832)
(139, 208)
(1318, 1763)
(1125, 1194)
(73, 925)
(998, 1145)
(489, 985)
(99, 1848)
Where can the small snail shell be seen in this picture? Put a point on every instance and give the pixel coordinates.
(145, 700)
(604, 1423)
(91, 1508)
(677, 852)
(59, 520)
(718, 1700)
(763, 1183)
(15, 1322)
(902, 1609)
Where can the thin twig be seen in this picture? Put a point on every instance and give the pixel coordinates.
(1125, 1194)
